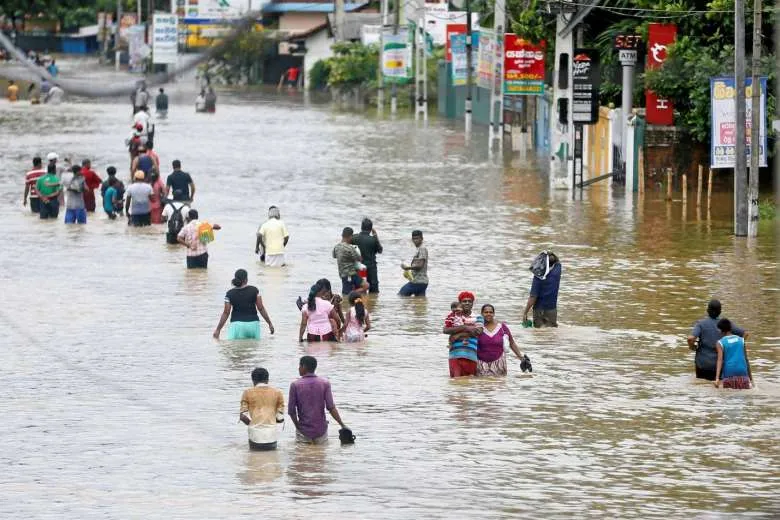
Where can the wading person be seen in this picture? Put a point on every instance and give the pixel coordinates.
(161, 104)
(543, 298)
(347, 259)
(463, 351)
(309, 397)
(30, 178)
(93, 182)
(158, 194)
(180, 185)
(118, 185)
(703, 339)
(111, 201)
(262, 408)
(143, 162)
(358, 321)
(368, 243)
(242, 304)
(418, 269)
(272, 237)
(138, 203)
(319, 319)
(49, 190)
(196, 235)
(491, 360)
(733, 364)
(75, 186)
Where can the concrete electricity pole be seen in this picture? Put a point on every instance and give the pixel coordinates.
(338, 20)
(394, 86)
(740, 161)
(380, 77)
(420, 62)
(497, 90)
(469, 62)
(755, 123)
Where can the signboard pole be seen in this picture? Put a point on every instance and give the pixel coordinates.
(469, 69)
(380, 91)
(755, 123)
(628, 60)
(740, 164)
(394, 86)
(497, 89)
(577, 175)
(117, 52)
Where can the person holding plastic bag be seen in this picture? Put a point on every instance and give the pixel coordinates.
(196, 235)
(543, 298)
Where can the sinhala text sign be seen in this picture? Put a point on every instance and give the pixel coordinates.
(165, 38)
(396, 57)
(724, 125)
(523, 67)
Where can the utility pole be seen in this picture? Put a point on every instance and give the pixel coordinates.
(740, 161)
(497, 90)
(117, 52)
(755, 123)
(139, 10)
(394, 87)
(469, 66)
(380, 77)
(339, 20)
(420, 63)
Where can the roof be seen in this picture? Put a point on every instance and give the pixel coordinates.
(353, 22)
(308, 7)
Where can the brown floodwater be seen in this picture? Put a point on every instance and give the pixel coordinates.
(117, 403)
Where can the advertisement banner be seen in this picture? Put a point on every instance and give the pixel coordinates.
(215, 9)
(165, 38)
(723, 124)
(486, 55)
(396, 57)
(128, 20)
(458, 50)
(137, 48)
(585, 86)
(523, 66)
(660, 35)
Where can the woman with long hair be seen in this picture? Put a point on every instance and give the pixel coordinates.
(358, 321)
(319, 319)
(242, 303)
(491, 360)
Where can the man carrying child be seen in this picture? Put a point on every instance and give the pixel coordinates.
(463, 329)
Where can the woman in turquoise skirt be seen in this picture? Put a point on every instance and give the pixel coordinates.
(242, 304)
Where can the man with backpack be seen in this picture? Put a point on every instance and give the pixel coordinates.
(174, 214)
(196, 234)
(544, 290)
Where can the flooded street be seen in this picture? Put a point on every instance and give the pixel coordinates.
(117, 402)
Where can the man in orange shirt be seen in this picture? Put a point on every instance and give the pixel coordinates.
(262, 407)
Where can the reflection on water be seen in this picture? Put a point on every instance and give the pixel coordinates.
(119, 403)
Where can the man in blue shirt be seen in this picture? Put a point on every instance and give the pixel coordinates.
(707, 334)
(544, 291)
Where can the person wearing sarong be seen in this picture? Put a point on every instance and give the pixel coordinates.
(491, 360)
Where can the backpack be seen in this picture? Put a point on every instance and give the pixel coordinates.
(540, 267)
(175, 223)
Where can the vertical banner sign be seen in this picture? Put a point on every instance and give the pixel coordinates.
(458, 53)
(165, 39)
(724, 122)
(660, 35)
(487, 42)
(396, 57)
(523, 67)
(585, 86)
(137, 49)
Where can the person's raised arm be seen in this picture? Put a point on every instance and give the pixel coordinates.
(264, 313)
(719, 364)
(222, 319)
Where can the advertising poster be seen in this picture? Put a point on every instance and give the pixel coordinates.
(487, 42)
(165, 39)
(128, 20)
(523, 66)
(137, 48)
(585, 86)
(659, 110)
(396, 57)
(459, 60)
(724, 122)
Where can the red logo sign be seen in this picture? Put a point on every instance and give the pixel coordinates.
(523, 66)
(659, 111)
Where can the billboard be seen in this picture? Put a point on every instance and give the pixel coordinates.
(523, 66)
(659, 110)
(214, 9)
(165, 38)
(396, 57)
(585, 86)
(723, 125)
(486, 60)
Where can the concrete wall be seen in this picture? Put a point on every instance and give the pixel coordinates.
(318, 47)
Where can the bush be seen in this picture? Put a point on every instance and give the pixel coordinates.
(319, 75)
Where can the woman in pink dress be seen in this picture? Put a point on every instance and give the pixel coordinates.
(158, 194)
(491, 360)
(319, 319)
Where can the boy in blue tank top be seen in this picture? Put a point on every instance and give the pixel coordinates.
(733, 370)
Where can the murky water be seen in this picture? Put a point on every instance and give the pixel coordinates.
(117, 403)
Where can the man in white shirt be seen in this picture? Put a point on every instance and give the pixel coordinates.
(272, 237)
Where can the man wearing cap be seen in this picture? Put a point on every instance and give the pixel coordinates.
(138, 204)
(418, 269)
(703, 338)
(30, 178)
(49, 190)
(463, 352)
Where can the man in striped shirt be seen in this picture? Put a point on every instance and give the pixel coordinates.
(30, 178)
(463, 353)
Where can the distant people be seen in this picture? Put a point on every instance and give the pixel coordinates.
(75, 186)
(262, 408)
(463, 350)
(368, 243)
(141, 98)
(45, 86)
(543, 297)
(358, 321)
(347, 259)
(55, 95)
(52, 69)
(242, 304)
(119, 187)
(49, 189)
(33, 94)
(30, 178)
(161, 104)
(138, 202)
(309, 397)
(703, 339)
(12, 92)
(290, 78)
(158, 196)
(210, 100)
(196, 235)
(272, 238)
(93, 182)
(143, 162)
(733, 364)
(180, 185)
(491, 360)
(418, 269)
(200, 101)
(319, 319)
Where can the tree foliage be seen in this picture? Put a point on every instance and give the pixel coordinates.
(354, 64)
